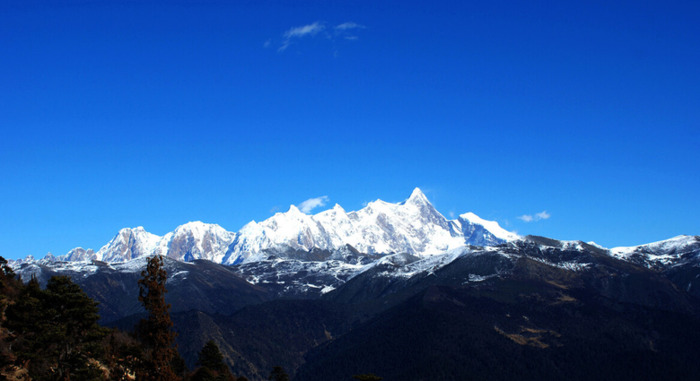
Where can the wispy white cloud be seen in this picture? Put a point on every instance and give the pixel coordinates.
(313, 203)
(349, 25)
(347, 30)
(543, 215)
(526, 217)
(305, 30)
(344, 31)
(308, 30)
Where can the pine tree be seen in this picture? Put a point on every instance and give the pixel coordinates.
(211, 357)
(156, 331)
(211, 365)
(73, 331)
(56, 330)
(10, 288)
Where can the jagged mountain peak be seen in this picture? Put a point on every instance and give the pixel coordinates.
(128, 244)
(417, 197)
(413, 227)
(198, 227)
(335, 212)
(338, 209)
(196, 240)
(77, 254)
(134, 229)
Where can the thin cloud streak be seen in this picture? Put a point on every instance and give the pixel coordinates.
(349, 25)
(305, 30)
(345, 31)
(309, 30)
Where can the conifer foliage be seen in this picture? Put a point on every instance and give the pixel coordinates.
(211, 365)
(156, 332)
(73, 331)
(54, 331)
(9, 289)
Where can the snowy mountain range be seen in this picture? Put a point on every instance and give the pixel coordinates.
(336, 277)
(413, 227)
(297, 254)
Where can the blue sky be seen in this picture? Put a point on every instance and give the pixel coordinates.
(141, 113)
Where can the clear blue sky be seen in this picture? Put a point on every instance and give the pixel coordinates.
(139, 113)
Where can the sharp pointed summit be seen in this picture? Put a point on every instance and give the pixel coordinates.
(418, 197)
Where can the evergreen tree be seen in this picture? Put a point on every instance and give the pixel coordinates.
(211, 357)
(156, 331)
(10, 288)
(7, 275)
(211, 365)
(57, 330)
(73, 330)
(29, 321)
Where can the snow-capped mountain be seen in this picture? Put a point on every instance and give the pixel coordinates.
(412, 227)
(193, 240)
(671, 252)
(79, 255)
(196, 240)
(480, 232)
(128, 244)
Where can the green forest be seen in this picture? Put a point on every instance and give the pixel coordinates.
(53, 334)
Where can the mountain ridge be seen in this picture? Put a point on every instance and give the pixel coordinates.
(314, 297)
(413, 226)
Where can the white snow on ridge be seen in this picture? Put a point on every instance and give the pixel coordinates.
(196, 240)
(129, 243)
(492, 226)
(413, 226)
(676, 243)
(666, 252)
(193, 240)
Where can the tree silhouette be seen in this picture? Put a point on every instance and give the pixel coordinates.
(211, 365)
(156, 331)
(73, 330)
(56, 330)
(211, 357)
(10, 287)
